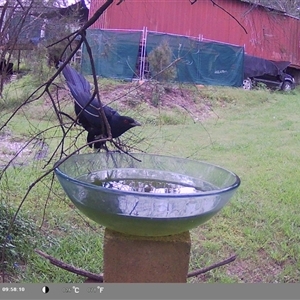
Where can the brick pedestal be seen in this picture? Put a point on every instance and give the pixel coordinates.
(145, 259)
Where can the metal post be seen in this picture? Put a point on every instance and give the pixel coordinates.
(143, 53)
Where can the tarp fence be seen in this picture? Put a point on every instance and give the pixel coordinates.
(121, 54)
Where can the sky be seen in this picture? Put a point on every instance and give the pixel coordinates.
(87, 3)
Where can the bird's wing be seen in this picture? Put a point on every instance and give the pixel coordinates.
(110, 112)
(89, 108)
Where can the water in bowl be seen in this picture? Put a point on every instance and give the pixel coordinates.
(146, 186)
(147, 181)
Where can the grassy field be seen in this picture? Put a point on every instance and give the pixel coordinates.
(253, 133)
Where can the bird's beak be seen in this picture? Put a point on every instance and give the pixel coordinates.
(135, 123)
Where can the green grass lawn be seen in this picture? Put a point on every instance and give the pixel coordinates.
(253, 133)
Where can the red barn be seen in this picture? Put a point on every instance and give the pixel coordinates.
(265, 32)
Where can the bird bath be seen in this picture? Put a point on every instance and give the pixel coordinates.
(150, 196)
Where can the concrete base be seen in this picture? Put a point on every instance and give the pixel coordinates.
(146, 259)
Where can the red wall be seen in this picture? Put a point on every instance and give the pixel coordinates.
(270, 34)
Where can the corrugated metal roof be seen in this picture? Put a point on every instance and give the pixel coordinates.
(270, 33)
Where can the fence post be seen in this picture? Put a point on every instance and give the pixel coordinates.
(143, 53)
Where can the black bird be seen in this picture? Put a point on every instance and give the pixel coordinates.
(88, 110)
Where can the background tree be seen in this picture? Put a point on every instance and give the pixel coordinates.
(291, 7)
(27, 27)
(160, 61)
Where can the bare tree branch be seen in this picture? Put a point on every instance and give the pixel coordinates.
(44, 88)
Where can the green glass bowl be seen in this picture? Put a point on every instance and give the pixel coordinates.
(145, 194)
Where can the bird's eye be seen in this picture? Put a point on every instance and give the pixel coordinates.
(126, 121)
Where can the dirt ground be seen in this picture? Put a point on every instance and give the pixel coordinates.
(156, 95)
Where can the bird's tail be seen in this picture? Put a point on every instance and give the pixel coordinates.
(74, 79)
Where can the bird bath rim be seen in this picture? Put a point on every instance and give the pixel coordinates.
(217, 191)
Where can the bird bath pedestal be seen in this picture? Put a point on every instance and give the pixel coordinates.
(148, 204)
(129, 258)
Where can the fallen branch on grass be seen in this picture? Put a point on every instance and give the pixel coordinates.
(67, 267)
(99, 277)
(216, 265)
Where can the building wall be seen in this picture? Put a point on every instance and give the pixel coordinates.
(270, 34)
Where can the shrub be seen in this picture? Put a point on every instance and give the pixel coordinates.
(160, 59)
